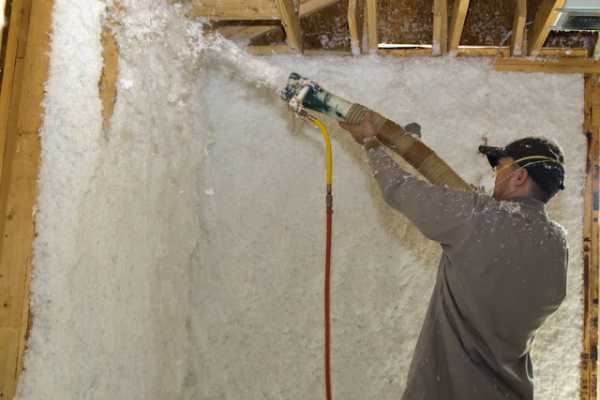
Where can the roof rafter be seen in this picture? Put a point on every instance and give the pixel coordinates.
(459, 14)
(544, 19)
(291, 23)
(355, 25)
(518, 30)
(440, 27)
(372, 25)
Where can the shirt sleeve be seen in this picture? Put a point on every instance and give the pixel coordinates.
(442, 214)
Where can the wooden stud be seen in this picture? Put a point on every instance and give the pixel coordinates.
(291, 24)
(591, 240)
(597, 48)
(372, 25)
(355, 25)
(459, 14)
(23, 91)
(440, 27)
(544, 20)
(518, 30)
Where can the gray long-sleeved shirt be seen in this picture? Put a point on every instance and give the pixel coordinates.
(502, 272)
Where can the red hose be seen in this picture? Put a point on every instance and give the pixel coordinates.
(328, 388)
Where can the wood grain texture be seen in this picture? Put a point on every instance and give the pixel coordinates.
(591, 240)
(372, 24)
(518, 30)
(544, 19)
(459, 14)
(440, 27)
(22, 94)
(235, 9)
(291, 24)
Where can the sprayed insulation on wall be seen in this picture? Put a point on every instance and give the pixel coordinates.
(179, 251)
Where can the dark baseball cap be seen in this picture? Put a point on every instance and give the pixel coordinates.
(543, 160)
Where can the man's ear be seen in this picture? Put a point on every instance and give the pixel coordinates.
(520, 176)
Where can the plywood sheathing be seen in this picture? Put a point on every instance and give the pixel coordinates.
(21, 117)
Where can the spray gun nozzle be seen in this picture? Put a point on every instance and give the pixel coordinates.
(296, 91)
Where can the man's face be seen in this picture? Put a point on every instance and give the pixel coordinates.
(503, 171)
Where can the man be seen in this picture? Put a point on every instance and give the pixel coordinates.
(502, 272)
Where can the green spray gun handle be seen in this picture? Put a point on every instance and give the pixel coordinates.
(302, 94)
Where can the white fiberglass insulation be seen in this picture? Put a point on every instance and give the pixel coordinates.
(180, 252)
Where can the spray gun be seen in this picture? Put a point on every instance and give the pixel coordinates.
(303, 95)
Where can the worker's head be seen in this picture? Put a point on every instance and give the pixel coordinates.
(529, 167)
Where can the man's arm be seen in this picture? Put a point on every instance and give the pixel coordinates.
(440, 213)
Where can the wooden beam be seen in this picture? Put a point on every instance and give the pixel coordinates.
(218, 10)
(562, 65)
(355, 25)
(283, 49)
(518, 30)
(544, 20)
(312, 6)
(372, 25)
(291, 24)
(459, 14)
(440, 27)
(591, 240)
(417, 52)
(483, 51)
(29, 27)
(252, 32)
(563, 52)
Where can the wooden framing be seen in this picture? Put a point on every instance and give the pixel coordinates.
(355, 25)
(251, 32)
(371, 18)
(544, 19)
(21, 114)
(518, 31)
(459, 14)
(591, 240)
(597, 48)
(21, 92)
(440, 27)
(291, 23)
(219, 10)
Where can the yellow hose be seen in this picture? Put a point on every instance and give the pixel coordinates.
(328, 256)
(329, 148)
